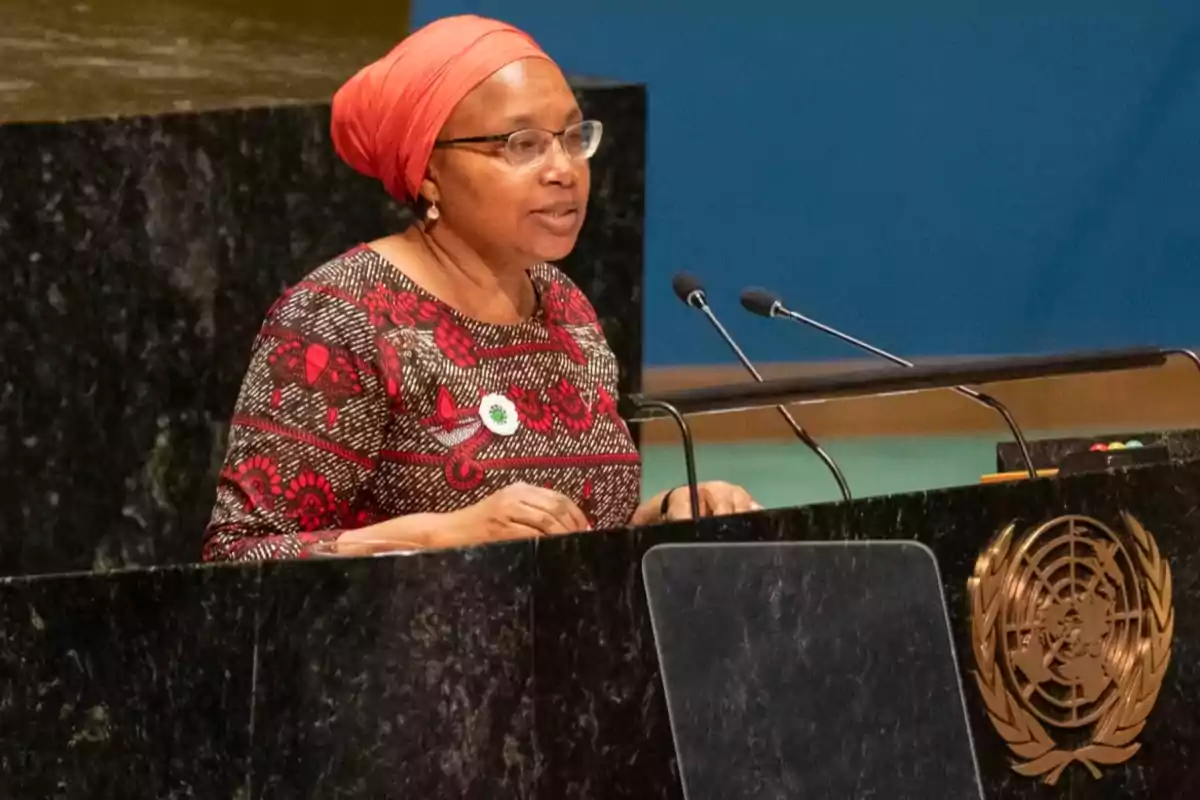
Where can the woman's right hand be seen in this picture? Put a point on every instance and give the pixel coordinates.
(518, 511)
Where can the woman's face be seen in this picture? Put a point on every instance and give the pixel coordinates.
(525, 213)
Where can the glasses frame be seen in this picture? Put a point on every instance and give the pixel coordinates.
(504, 138)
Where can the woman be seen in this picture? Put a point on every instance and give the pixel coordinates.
(443, 386)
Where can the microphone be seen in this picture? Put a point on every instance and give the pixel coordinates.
(767, 304)
(689, 290)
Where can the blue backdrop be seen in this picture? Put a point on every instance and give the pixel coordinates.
(941, 176)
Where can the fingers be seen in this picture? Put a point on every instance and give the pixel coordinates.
(743, 502)
(561, 507)
(538, 519)
(717, 498)
(553, 512)
(720, 498)
(514, 529)
(579, 520)
(679, 505)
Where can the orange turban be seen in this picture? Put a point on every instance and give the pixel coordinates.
(388, 116)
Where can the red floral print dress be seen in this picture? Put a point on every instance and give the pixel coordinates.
(367, 398)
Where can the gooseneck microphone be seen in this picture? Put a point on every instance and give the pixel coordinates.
(691, 292)
(768, 304)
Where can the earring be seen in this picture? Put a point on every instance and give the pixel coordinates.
(432, 214)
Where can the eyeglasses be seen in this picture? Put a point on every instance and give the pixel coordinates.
(530, 145)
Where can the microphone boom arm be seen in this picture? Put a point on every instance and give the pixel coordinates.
(691, 293)
(689, 450)
(800, 432)
(779, 310)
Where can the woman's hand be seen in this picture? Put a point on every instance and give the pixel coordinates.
(717, 498)
(518, 511)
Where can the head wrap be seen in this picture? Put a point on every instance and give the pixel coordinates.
(388, 116)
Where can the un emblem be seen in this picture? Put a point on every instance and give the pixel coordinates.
(1071, 629)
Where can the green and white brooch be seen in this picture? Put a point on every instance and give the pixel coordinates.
(499, 415)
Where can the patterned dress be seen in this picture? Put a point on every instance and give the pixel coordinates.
(367, 398)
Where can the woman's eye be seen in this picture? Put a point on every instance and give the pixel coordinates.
(522, 144)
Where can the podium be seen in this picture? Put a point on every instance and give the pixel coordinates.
(1033, 639)
(808, 669)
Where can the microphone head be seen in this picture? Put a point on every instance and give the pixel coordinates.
(760, 301)
(689, 289)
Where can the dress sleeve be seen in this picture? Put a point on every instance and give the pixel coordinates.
(306, 431)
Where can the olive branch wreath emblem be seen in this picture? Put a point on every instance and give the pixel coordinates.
(1112, 737)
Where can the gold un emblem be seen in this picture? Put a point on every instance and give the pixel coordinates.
(1071, 628)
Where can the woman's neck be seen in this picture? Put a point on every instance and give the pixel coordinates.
(448, 268)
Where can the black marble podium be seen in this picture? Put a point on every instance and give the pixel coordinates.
(517, 670)
(137, 258)
(1050, 453)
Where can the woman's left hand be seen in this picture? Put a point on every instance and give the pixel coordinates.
(716, 499)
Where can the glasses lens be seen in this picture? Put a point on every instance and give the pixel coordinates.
(581, 140)
(527, 146)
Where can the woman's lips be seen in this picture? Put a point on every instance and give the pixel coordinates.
(559, 220)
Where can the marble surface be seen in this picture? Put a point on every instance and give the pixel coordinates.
(1049, 453)
(761, 645)
(594, 646)
(69, 60)
(404, 678)
(137, 258)
(136, 686)
(520, 670)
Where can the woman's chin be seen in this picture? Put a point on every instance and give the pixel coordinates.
(553, 248)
